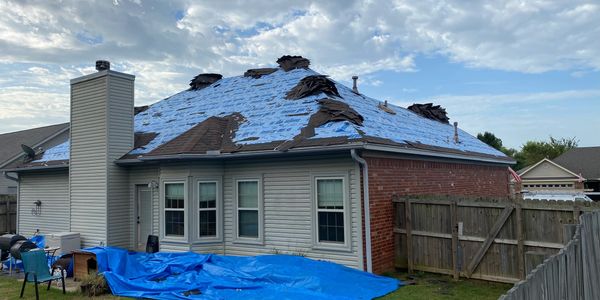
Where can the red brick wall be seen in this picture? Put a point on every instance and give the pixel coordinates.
(389, 176)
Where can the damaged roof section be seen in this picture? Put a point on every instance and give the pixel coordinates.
(212, 134)
(313, 85)
(203, 80)
(258, 73)
(329, 111)
(289, 62)
(430, 111)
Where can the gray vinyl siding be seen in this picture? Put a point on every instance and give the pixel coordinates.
(288, 207)
(287, 203)
(88, 164)
(52, 189)
(101, 132)
(120, 141)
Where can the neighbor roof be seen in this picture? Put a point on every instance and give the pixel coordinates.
(10, 143)
(272, 110)
(583, 160)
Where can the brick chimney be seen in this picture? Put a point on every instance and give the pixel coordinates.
(101, 132)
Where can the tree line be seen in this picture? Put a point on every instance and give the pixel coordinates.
(532, 151)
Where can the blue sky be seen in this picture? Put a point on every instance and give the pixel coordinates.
(521, 69)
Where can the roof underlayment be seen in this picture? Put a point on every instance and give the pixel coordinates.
(267, 116)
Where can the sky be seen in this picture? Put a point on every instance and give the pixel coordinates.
(523, 70)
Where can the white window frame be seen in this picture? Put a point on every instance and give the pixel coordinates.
(218, 208)
(248, 240)
(163, 227)
(325, 245)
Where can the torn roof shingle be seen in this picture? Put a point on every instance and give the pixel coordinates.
(269, 117)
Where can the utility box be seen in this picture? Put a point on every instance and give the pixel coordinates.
(67, 241)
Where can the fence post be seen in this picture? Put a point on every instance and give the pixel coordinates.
(409, 247)
(520, 240)
(454, 218)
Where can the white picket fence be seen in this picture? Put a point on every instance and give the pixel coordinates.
(573, 273)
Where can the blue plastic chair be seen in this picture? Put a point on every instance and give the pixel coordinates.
(36, 271)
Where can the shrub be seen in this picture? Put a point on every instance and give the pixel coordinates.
(94, 285)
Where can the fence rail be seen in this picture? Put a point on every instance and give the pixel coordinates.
(8, 214)
(573, 273)
(490, 239)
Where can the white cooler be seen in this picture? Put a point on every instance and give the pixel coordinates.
(67, 241)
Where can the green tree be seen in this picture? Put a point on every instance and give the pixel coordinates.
(490, 139)
(534, 151)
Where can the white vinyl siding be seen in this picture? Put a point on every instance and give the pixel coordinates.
(52, 189)
(101, 132)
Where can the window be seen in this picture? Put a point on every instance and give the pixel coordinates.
(330, 210)
(248, 208)
(174, 209)
(207, 209)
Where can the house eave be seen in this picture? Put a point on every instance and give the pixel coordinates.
(321, 149)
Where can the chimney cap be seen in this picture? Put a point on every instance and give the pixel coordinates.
(102, 65)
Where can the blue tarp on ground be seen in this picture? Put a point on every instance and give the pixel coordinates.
(165, 275)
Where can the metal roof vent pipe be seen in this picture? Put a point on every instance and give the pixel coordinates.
(102, 65)
(456, 132)
(354, 86)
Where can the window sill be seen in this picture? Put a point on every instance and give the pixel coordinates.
(207, 241)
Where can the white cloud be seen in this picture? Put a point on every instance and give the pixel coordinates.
(43, 44)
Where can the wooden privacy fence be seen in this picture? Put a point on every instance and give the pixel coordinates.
(490, 239)
(573, 273)
(8, 214)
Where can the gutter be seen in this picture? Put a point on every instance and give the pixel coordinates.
(366, 205)
(10, 177)
(360, 145)
(56, 167)
(423, 152)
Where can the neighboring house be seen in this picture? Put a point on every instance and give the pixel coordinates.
(280, 160)
(11, 152)
(547, 175)
(584, 161)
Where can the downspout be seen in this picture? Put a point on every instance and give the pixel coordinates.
(365, 176)
(10, 177)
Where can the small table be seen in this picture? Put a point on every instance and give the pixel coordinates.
(51, 253)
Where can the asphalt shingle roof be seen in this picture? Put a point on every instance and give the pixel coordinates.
(270, 119)
(583, 160)
(10, 143)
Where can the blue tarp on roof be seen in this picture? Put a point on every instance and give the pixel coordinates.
(270, 117)
(166, 275)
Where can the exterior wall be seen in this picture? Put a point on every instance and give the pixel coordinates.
(389, 176)
(101, 131)
(287, 206)
(9, 187)
(52, 189)
(88, 162)
(120, 141)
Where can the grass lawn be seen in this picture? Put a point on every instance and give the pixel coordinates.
(428, 287)
(11, 288)
(433, 286)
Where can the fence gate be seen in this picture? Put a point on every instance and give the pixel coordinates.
(8, 214)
